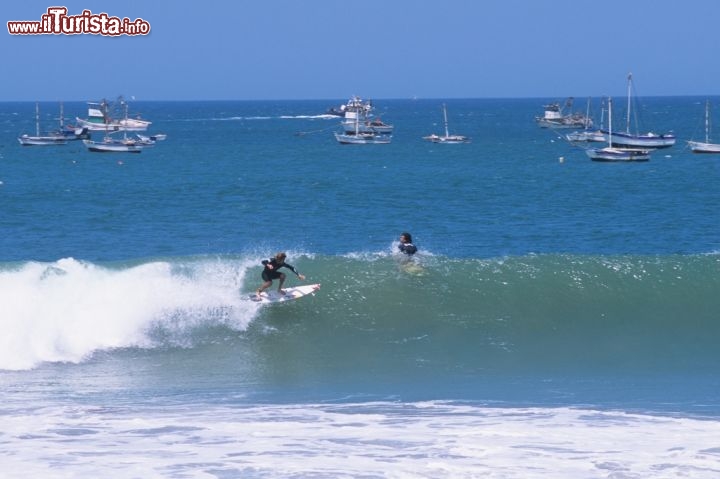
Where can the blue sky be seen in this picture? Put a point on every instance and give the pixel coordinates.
(331, 49)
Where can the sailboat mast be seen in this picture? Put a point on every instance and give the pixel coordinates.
(587, 115)
(610, 122)
(447, 132)
(627, 127)
(707, 121)
(37, 119)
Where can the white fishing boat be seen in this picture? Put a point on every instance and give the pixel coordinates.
(706, 146)
(613, 153)
(555, 117)
(354, 104)
(636, 140)
(38, 139)
(447, 138)
(100, 118)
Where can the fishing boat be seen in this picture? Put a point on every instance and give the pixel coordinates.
(100, 118)
(613, 153)
(355, 103)
(706, 146)
(554, 117)
(447, 138)
(40, 140)
(636, 140)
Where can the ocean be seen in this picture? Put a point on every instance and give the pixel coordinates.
(560, 319)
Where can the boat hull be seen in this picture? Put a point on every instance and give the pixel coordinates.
(127, 125)
(700, 147)
(349, 126)
(586, 136)
(113, 146)
(561, 123)
(27, 140)
(362, 139)
(649, 141)
(450, 139)
(617, 154)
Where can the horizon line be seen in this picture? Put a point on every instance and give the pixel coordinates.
(411, 98)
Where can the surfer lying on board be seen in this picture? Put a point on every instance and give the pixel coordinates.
(406, 246)
(270, 272)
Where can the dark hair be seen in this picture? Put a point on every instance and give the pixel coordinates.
(280, 256)
(407, 235)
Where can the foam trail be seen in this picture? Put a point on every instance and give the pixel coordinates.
(66, 310)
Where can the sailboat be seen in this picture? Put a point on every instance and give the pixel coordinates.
(706, 146)
(448, 138)
(40, 140)
(632, 140)
(611, 153)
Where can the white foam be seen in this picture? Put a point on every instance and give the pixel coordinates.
(66, 310)
(421, 440)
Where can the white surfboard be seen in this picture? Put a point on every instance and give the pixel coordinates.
(413, 268)
(274, 296)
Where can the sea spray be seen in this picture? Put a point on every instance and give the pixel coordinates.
(68, 309)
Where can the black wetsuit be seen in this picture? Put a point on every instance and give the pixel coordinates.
(271, 274)
(407, 248)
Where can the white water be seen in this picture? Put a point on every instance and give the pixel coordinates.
(66, 310)
(388, 440)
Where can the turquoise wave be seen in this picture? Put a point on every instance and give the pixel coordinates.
(443, 315)
(546, 312)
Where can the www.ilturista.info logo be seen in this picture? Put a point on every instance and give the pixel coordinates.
(57, 22)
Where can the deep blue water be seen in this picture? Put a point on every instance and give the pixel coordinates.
(239, 176)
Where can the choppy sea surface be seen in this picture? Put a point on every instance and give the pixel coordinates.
(559, 321)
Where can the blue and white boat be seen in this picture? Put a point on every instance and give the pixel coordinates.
(636, 140)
